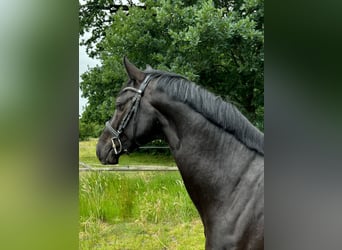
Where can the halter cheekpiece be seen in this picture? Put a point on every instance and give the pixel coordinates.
(132, 112)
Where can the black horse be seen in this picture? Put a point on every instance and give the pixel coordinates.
(219, 153)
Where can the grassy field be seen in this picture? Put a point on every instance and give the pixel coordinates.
(135, 210)
(87, 154)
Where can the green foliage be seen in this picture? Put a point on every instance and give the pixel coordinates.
(88, 130)
(217, 44)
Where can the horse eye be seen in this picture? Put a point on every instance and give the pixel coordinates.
(119, 106)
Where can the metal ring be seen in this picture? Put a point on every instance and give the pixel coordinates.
(114, 145)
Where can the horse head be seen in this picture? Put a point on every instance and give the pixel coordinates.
(134, 122)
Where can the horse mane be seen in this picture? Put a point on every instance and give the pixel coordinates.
(223, 114)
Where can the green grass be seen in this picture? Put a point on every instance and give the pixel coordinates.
(151, 197)
(150, 236)
(87, 154)
(139, 210)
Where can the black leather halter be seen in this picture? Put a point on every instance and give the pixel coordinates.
(132, 112)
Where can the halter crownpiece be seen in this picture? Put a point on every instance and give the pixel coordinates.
(128, 116)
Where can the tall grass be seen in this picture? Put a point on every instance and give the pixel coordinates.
(136, 210)
(151, 197)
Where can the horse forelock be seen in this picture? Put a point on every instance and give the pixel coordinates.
(217, 111)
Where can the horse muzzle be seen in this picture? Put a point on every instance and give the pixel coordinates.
(106, 153)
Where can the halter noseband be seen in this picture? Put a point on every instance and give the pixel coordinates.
(128, 116)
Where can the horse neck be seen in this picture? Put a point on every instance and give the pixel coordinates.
(189, 133)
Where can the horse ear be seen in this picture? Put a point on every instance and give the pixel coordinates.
(133, 72)
(148, 67)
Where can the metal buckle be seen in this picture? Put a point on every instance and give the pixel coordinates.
(114, 145)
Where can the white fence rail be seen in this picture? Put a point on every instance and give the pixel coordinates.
(86, 167)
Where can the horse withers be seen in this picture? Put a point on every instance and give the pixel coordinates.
(219, 153)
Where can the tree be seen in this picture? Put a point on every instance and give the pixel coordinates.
(217, 44)
(95, 17)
